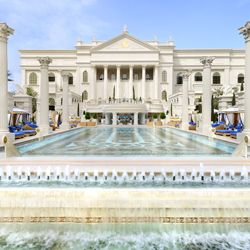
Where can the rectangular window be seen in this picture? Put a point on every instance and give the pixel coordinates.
(179, 80)
(70, 80)
(52, 78)
(198, 78)
(216, 79)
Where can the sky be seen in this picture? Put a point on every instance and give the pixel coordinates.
(58, 24)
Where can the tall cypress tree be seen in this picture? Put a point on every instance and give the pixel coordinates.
(242, 87)
(212, 109)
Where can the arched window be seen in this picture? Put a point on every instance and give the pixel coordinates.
(179, 79)
(52, 77)
(71, 79)
(164, 76)
(84, 95)
(85, 76)
(33, 78)
(52, 101)
(216, 78)
(198, 77)
(241, 78)
(164, 95)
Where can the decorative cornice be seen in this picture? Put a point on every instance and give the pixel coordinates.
(114, 219)
(44, 61)
(207, 60)
(185, 75)
(65, 74)
(245, 31)
(5, 31)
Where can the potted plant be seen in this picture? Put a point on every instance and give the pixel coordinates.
(163, 117)
(94, 117)
(87, 116)
(83, 119)
(155, 116)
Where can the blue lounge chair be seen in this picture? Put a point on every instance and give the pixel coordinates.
(18, 134)
(31, 124)
(231, 131)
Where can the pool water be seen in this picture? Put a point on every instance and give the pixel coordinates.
(127, 141)
(124, 236)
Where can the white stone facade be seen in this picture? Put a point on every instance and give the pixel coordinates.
(124, 72)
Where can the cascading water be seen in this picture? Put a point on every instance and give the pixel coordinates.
(24, 176)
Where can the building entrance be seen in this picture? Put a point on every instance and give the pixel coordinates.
(125, 118)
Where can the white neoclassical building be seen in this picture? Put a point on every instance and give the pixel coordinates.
(125, 75)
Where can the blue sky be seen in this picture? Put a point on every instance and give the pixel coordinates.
(58, 24)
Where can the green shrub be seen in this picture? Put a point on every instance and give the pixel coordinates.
(155, 116)
(87, 116)
(162, 116)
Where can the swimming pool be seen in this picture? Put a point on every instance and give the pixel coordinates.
(127, 141)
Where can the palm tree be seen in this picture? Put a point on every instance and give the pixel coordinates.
(31, 92)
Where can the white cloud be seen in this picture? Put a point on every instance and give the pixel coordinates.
(48, 24)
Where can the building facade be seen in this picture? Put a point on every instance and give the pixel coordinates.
(125, 75)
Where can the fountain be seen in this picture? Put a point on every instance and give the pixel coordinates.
(231, 174)
(163, 174)
(174, 175)
(86, 176)
(66, 173)
(105, 174)
(48, 173)
(244, 174)
(201, 171)
(222, 175)
(212, 175)
(38, 173)
(114, 175)
(96, 175)
(19, 173)
(134, 175)
(28, 174)
(9, 172)
(183, 174)
(193, 175)
(76, 173)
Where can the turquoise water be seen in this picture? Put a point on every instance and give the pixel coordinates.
(126, 141)
(124, 236)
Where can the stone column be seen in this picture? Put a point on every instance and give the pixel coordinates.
(143, 82)
(156, 82)
(206, 94)
(117, 86)
(184, 114)
(5, 31)
(106, 119)
(245, 31)
(130, 86)
(136, 118)
(44, 95)
(105, 84)
(65, 104)
(114, 118)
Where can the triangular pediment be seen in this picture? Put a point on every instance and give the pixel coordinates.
(124, 42)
